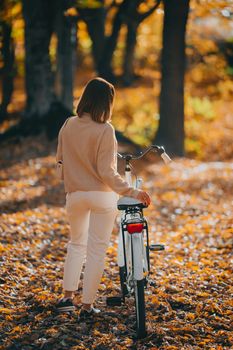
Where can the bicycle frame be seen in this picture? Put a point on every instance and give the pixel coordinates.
(136, 262)
(133, 246)
(127, 242)
(136, 237)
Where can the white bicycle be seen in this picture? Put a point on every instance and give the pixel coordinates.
(133, 246)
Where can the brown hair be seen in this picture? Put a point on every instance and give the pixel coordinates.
(97, 99)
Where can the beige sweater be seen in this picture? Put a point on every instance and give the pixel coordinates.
(88, 151)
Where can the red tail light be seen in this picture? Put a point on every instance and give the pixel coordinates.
(135, 227)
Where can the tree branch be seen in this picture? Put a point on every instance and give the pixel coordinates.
(149, 12)
(110, 6)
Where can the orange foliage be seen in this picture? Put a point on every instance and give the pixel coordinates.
(189, 304)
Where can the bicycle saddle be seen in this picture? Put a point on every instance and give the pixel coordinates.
(129, 202)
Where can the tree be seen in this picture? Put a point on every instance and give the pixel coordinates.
(93, 13)
(134, 19)
(8, 57)
(171, 125)
(128, 14)
(42, 19)
(66, 31)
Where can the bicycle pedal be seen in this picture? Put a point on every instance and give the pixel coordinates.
(156, 247)
(114, 301)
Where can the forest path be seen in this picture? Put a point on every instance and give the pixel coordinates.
(190, 305)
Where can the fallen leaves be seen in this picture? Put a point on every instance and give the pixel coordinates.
(4, 310)
(189, 304)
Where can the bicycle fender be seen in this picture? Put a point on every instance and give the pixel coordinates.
(137, 256)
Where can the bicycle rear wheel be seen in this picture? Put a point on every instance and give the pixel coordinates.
(140, 308)
(138, 264)
(124, 289)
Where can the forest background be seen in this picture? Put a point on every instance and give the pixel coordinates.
(42, 77)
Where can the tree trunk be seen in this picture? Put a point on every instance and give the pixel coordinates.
(128, 63)
(134, 19)
(66, 31)
(39, 79)
(42, 19)
(106, 70)
(95, 21)
(171, 125)
(8, 68)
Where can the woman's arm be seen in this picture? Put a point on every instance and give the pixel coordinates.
(59, 147)
(107, 165)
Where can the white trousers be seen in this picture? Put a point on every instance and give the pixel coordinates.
(91, 215)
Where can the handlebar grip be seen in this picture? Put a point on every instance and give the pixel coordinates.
(166, 158)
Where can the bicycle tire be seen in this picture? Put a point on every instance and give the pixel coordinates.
(124, 289)
(140, 309)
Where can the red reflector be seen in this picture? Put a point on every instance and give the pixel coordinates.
(135, 228)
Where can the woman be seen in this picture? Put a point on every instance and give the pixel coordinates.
(87, 148)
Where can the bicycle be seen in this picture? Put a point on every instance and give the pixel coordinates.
(133, 256)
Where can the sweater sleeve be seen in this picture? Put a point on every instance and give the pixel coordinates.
(107, 165)
(59, 147)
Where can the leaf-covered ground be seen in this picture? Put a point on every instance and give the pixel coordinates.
(189, 305)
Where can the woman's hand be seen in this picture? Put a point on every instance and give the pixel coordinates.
(144, 198)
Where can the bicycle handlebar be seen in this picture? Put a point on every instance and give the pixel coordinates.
(159, 149)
